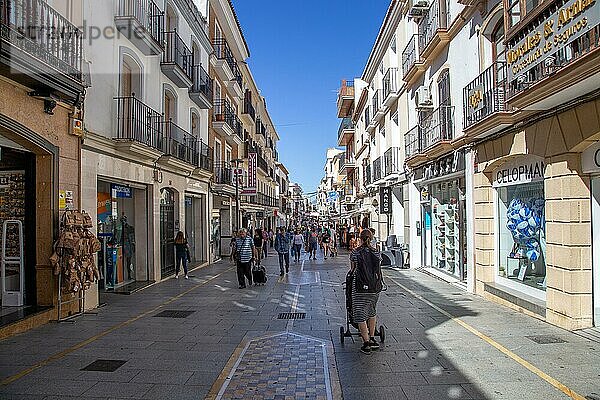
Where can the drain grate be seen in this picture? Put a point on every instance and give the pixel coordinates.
(291, 315)
(174, 314)
(546, 339)
(104, 365)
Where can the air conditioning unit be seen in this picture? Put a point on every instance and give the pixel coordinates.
(418, 8)
(423, 97)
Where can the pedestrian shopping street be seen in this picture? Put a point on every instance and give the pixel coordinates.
(205, 338)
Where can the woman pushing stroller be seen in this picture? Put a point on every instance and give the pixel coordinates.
(367, 282)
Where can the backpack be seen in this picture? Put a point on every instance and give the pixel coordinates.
(368, 272)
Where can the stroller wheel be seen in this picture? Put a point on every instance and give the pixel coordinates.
(381, 333)
(342, 334)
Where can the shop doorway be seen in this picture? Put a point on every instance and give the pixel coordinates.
(18, 219)
(167, 232)
(195, 226)
(426, 235)
(596, 247)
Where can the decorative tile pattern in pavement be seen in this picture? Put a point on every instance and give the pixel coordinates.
(281, 366)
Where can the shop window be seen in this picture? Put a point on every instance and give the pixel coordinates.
(513, 12)
(522, 234)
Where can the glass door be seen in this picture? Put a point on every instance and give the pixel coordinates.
(190, 225)
(596, 247)
(167, 232)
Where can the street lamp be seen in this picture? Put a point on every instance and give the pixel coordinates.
(237, 162)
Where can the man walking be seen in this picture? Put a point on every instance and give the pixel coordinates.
(313, 242)
(282, 247)
(245, 250)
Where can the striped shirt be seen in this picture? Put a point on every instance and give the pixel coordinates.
(244, 248)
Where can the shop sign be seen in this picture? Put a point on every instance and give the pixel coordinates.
(425, 193)
(385, 200)
(62, 204)
(260, 215)
(121, 191)
(475, 99)
(69, 200)
(563, 26)
(522, 171)
(445, 166)
(590, 159)
(250, 188)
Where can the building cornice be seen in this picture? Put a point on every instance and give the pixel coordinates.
(196, 21)
(229, 23)
(387, 30)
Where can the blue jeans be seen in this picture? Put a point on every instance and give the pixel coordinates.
(181, 257)
(284, 256)
(297, 249)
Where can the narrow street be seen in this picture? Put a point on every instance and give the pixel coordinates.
(205, 338)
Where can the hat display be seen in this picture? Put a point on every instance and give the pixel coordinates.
(525, 220)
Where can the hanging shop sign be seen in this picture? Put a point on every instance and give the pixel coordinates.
(447, 165)
(523, 170)
(332, 196)
(385, 200)
(250, 188)
(121, 191)
(425, 194)
(556, 31)
(475, 99)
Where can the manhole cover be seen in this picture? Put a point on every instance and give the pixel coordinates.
(546, 339)
(292, 315)
(104, 365)
(174, 314)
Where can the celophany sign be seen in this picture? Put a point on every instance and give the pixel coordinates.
(525, 170)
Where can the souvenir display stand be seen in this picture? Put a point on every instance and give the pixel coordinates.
(73, 261)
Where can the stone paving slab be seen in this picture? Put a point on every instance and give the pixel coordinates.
(427, 355)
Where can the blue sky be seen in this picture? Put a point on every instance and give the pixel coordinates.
(299, 52)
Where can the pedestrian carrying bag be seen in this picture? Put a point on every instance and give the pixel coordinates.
(259, 274)
(368, 272)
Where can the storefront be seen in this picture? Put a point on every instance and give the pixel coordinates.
(195, 225)
(17, 226)
(443, 217)
(122, 217)
(521, 226)
(590, 160)
(222, 225)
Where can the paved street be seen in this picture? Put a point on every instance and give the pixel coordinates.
(205, 338)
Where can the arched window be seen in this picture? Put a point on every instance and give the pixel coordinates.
(445, 110)
(130, 77)
(170, 106)
(195, 124)
(170, 19)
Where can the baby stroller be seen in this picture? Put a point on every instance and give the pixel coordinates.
(345, 331)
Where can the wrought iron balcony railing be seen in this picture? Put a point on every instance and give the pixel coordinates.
(437, 18)
(410, 55)
(438, 126)
(223, 174)
(485, 95)
(391, 161)
(377, 169)
(412, 142)
(376, 101)
(367, 175)
(223, 52)
(176, 52)
(181, 144)
(38, 30)
(203, 83)
(224, 112)
(147, 14)
(390, 82)
(249, 108)
(345, 125)
(139, 123)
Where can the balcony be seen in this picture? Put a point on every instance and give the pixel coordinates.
(412, 142)
(262, 200)
(484, 107)
(347, 164)
(370, 127)
(433, 29)
(390, 87)
(223, 174)
(345, 131)
(236, 84)
(49, 63)
(248, 112)
(377, 106)
(139, 129)
(142, 22)
(412, 65)
(225, 122)
(262, 163)
(567, 70)
(177, 61)
(226, 66)
(345, 101)
(392, 162)
(201, 91)
(377, 170)
(180, 144)
(260, 128)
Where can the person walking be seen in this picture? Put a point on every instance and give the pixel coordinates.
(290, 236)
(258, 244)
(326, 240)
(282, 247)
(367, 283)
(298, 243)
(182, 254)
(313, 242)
(265, 246)
(244, 252)
(232, 248)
